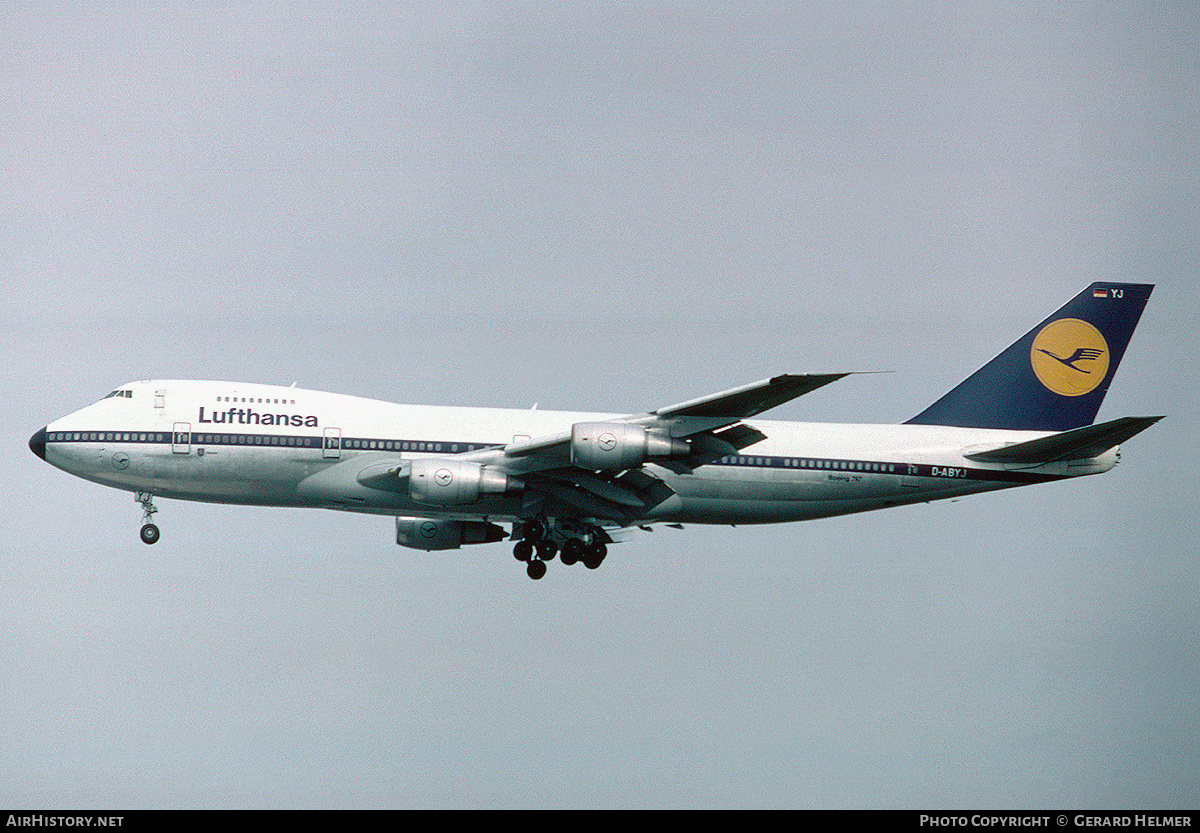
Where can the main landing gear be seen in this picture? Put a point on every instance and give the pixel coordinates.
(149, 533)
(540, 542)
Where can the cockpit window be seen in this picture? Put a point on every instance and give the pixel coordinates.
(128, 394)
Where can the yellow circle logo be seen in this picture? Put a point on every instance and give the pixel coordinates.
(1070, 357)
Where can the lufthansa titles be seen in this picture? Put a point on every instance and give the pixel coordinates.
(245, 416)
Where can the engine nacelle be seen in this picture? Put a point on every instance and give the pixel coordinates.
(443, 482)
(430, 534)
(615, 446)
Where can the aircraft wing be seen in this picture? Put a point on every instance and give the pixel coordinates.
(752, 399)
(710, 425)
(555, 481)
(702, 416)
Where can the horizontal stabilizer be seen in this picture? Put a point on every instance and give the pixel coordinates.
(1079, 444)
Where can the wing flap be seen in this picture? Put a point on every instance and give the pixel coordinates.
(600, 487)
(619, 499)
(713, 446)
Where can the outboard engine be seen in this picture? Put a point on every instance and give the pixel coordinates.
(616, 446)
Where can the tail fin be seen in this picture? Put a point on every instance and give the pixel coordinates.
(1055, 377)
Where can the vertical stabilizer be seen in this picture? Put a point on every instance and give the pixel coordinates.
(1055, 377)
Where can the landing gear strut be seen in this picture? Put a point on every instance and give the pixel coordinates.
(149, 533)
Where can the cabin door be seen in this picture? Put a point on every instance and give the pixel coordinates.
(181, 438)
(331, 445)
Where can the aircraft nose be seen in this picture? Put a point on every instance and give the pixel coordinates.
(37, 443)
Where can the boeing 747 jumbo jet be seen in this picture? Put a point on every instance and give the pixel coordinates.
(573, 483)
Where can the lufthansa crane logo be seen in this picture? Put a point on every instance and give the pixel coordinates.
(443, 477)
(1069, 357)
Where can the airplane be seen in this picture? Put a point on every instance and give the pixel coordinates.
(570, 484)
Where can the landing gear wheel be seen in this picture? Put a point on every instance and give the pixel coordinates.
(572, 551)
(546, 550)
(150, 534)
(594, 555)
(523, 551)
(536, 569)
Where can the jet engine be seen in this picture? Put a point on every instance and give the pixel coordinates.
(615, 446)
(444, 482)
(430, 534)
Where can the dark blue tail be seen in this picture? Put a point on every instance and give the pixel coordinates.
(1055, 377)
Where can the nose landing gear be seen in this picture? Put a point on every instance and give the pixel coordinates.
(149, 532)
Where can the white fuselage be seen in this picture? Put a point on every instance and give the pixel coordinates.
(267, 445)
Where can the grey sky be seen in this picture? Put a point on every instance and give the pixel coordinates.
(612, 207)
